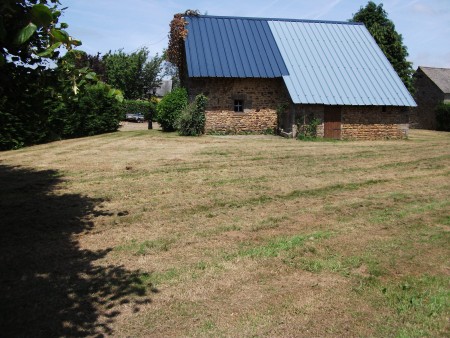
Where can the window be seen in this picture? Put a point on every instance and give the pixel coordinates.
(238, 105)
(383, 109)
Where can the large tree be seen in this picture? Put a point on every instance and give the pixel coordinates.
(383, 30)
(136, 74)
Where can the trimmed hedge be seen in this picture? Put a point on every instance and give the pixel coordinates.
(95, 112)
(148, 108)
(37, 116)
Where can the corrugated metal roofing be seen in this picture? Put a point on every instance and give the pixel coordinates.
(337, 64)
(321, 62)
(232, 47)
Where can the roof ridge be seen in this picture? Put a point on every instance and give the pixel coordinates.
(434, 67)
(275, 19)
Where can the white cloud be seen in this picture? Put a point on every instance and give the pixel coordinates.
(328, 8)
(423, 9)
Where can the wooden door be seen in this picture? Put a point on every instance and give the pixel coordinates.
(332, 122)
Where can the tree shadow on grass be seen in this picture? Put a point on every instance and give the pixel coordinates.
(49, 285)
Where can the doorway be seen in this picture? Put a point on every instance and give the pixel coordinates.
(332, 122)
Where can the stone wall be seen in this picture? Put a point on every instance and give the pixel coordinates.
(261, 99)
(372, 123)
(305, 113)
(427, 97)
(360, 122)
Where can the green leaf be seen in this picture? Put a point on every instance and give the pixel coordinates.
(76, 42)
(91, 76)
(56, 15)
(83, 70)
(26, 33)
(59, 35)
(64, 25)
(41, 15)
(49, 51)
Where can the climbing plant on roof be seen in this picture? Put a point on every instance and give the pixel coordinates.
(175, 53)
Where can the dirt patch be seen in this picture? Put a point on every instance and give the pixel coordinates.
(133, 126)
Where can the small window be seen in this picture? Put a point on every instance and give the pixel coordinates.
(239, 105)
(384, 109)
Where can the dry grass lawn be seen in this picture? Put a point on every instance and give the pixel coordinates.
(141, 233)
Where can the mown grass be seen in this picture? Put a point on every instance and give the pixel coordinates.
(259, 236)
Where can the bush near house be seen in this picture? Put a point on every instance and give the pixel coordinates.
(192, 119)
(170, 107)
(443, 117)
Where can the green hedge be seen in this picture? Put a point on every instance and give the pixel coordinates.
(95, 112)
(37, 115)
(24, 108)
(443, 117)
(170, 107)
(148, 108)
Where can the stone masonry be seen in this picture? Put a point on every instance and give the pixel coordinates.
(261, 98)
(360, 122)
(372, 123)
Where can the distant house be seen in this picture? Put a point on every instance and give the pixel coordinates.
(432, 87)
(164, 88)
(263, 74)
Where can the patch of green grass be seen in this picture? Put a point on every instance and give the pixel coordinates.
(284, 244)
(208, 325)
(241, 180)
(263, 199)
(332, 189)
(398, 212)
(336, 263)
(426, 163)
(145, 247)
(445, 220)
(365, 154)
(156, 278)
(421, 305)
(215, 152)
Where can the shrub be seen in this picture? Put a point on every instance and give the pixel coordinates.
(192, 119)
(148, 108)
(96, 111)
(23, 107)
(308, 131)
(443, 117)
(170, 108)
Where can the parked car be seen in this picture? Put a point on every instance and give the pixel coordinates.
(136, 117)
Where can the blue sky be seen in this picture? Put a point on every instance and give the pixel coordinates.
(104, 25)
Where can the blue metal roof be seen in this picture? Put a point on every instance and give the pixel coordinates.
(337, 64)
(321, 62)
(232, 47)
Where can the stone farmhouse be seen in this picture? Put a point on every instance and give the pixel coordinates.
(264, 74)
(432, 87)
